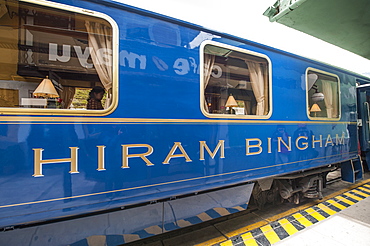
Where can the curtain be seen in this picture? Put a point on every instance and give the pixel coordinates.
(330, 91)
(335, 101)
(100, 40)
(3, 8)
(258, 85)
(266, 88)
(209, 61)
(67, 95)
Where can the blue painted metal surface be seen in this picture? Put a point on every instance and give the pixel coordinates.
(131, 224)
(363, 92)
(159, 106)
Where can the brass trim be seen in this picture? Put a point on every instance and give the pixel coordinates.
(105, 120)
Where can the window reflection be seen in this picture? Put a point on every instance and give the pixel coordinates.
(72, 50)
(323, 95)
(235, 82)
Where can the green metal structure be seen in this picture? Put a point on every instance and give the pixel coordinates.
(343, 23)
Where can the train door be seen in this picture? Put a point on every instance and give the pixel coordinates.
(363, 100)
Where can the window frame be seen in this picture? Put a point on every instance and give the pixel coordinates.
(115, 66)
(311, 69)
(244, 51)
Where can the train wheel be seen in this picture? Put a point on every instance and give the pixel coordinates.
(296, 198)
(259, 196)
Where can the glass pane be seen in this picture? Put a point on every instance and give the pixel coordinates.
(235, 82)
(323, 95)
(46, 54)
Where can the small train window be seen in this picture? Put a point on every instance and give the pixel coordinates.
(323, 95)
(236, 83)
(55, 59)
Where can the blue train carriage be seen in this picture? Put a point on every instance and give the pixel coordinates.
(363, 99)
(190, 120)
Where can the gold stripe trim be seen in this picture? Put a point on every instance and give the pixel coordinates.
(105, 120)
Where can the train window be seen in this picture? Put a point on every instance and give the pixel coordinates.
(236, 82)
(323, 95)
(53, 56)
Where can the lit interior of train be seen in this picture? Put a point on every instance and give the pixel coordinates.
(52, 58)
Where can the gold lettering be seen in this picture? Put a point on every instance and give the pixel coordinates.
(288, 146)
(269, 145)
(249, 146)
(339, 140)
(176, 145)
(101, 162)
(305, 144)
(316, 141)
(329, 140)
(38, 161)
(143, 156)
(203, 145)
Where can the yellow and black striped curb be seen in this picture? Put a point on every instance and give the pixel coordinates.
(291, 224)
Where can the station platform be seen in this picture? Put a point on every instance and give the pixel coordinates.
(350, 226)
(343, 219)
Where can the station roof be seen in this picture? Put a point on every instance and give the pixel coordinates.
(343, 23)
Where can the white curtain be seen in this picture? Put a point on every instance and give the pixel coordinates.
(209, 61)
(67, 95)
(100, 40)
(330, 91)
(258, 85)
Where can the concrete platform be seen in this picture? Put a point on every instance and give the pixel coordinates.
(341, 219)
(350, 226)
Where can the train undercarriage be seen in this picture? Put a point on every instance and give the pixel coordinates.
(305, 184)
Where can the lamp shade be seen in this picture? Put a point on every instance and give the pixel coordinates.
(46, 89)
(231, 102)
(317, 97)
(315, 108)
